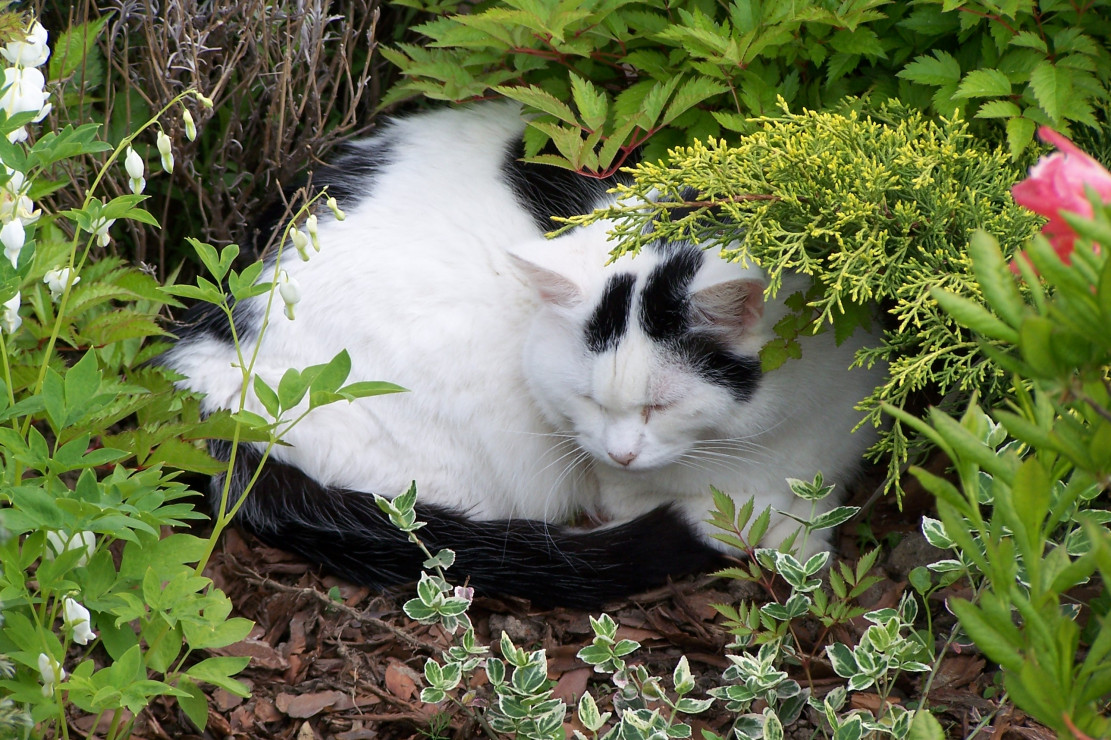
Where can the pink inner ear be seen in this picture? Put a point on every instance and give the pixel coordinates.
(553, 287)
(735, 305)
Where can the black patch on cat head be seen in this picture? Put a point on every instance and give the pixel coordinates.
(545, 190)
(665, 300)
(610, 319)
(665, 315)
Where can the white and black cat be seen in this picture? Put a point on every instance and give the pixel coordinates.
(544, 384)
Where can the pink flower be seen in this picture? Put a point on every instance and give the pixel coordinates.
(1057, 183)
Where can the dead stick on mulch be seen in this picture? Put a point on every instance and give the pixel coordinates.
(255, 578)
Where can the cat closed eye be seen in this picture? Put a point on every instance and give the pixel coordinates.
(647, 411)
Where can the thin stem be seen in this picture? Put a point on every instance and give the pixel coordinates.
(57, 328)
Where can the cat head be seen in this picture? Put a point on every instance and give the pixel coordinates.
(644, 357)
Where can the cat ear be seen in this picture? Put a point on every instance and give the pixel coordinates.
(733, 306)
(554, 288)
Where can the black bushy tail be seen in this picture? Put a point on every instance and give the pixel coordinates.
(551, 565)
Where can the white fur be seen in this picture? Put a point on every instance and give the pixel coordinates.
(430, 283)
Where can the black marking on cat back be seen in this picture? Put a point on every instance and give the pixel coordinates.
(350, 177)
(549, 564)
(665, 315)
(545, 190)
(208, 319)
(610, 319)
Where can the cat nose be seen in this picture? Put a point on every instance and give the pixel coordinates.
(623, 458)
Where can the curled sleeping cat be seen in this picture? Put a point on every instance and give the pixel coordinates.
(543, 383)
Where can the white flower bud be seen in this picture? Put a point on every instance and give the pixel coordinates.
(57, 280)
(52, 673)
(61, 541)
(13, 236)
(10, 320)
(77, 618)
(133, 163)
(167, 153)
(340, 215)
(205, 101)
(32, 51)
(290, 291)
(301, 242)
(190, 126)
(311, 227)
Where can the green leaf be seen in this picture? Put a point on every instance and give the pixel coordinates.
(76, 53)
(924, 726)
(940, 69)
(1020, 133)
(998, 109)
(266, 396)
(592, 103)
(589, 715)
(1030, 492)
(993, 632)
(539, 99)
(973, 316)
(1051, 87)
(219, 671)
(984, 83)
(691, 93)
(332, 374)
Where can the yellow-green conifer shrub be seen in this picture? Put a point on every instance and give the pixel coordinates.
(878, 207)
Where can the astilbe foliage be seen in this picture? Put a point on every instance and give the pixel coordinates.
(610, 74)
(876, 207)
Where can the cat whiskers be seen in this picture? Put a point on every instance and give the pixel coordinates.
(724, 454)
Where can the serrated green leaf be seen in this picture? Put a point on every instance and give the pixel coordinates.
(592, 103)
(984, 83)
(1020, 133)
(940, 69)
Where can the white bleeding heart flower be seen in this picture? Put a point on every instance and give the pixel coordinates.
(10, 320)
(32, 51)
(301, 242)
(100, 228)
(332, 204)
(190, 125)
(57, 280)
(13, 236)
(60, 541)
(133, 163)
(52, 673)
(23, 91)
(166, 151)
(312, 227)
(77, 617)
(290, 291)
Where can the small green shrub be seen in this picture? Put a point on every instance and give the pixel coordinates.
(1043, 466)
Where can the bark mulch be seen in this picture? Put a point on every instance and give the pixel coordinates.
(335, 661)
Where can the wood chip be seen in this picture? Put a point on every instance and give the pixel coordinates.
(402, 681)
(301, 706)
(572, 685)
(262, 654)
